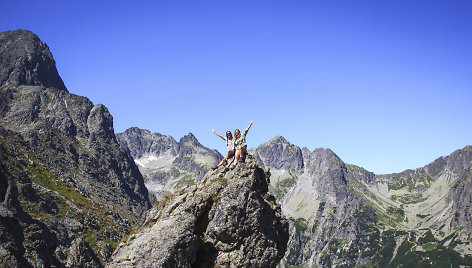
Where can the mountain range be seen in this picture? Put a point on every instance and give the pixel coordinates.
(71, 195)
(75, 194)
(344, 215)
(166, 164)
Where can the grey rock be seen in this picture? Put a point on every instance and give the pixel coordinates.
(25, 60)
(62, 169)
(226, 220)
(279, 153)
(100, 125)
(81, 255)
(344, 215)
(167, 165)
(139, 142)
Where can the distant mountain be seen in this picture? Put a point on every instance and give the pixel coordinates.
(69, 193)
(168, 165)
(343, 215)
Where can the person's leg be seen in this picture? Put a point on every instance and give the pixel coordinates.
(222, 161)
(243, 153)
(236, 157)
(230, 153)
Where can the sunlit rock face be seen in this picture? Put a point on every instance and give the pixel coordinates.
(227, 220)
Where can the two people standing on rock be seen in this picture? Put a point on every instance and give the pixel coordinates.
(236, 146)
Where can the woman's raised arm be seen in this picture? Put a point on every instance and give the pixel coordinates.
(248, 127)
(221, 136)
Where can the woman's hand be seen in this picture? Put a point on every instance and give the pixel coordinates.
(213, 130)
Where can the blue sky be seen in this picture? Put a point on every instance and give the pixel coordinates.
(386, 85)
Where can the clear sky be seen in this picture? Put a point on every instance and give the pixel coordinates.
(387, 85)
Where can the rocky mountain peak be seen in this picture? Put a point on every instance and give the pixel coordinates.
(136, 130)
(142, 142)
(25, 60)
(227, 220)
(100, 124)
(322, 161)
(71, 191)
(165, 163)
(189, 138)
(189, 144)
(279, 139)
(280, 154)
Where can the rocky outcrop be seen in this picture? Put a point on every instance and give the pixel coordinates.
(168, 165)
(227, 220)
(25, 60)
(71, 192)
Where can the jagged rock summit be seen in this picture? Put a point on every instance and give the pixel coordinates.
(227, 220)
(25, 60)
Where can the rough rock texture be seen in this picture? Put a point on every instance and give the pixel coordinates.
(279, 153)
(168, 165)
(69, 191)
(25, 60)
(141, 142)
(460, 165)
(343, 215)
(228, 220)
(18, 248)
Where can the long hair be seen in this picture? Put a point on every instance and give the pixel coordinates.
(230, 135)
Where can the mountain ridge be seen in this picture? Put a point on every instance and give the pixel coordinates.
(319, 193)
(71, 192)
(420, 202)
(165, 163)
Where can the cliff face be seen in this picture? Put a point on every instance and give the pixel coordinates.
(343, 215)
(71, 192)
(228, 219)
(167, 165)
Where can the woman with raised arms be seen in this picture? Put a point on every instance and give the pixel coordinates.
(229, 143)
